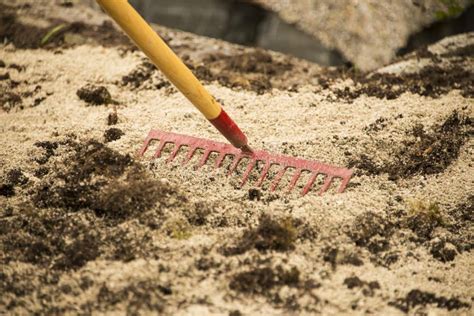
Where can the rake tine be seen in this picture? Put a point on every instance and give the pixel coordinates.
(278, 178)
(145, 146)
(310, 183)
(173, 153)
(248, 171)
(220, 159)
(190, 155)
(344, 183)
(234, 164)
(204, 157)
(160, 148)
(327, 183)
(295, 178)
(264, 173)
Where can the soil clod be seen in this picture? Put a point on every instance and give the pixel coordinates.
(271, 234)
(94, 95)
(17, 177)
(261, 280)
(255, 194)
(113, 134)
(368, 288)
(7, 190)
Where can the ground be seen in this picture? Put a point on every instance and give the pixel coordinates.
(87, 226)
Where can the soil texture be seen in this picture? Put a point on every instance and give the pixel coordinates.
(87, 226)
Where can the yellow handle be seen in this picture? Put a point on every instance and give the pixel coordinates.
(162, 56)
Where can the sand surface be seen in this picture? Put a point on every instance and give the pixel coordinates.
(89, 227)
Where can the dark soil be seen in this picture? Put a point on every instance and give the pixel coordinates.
(21, 35)
(9, 100)
(443, 233)
(271, 234)
(425, 152)
(251, 70)
(431, 81)
(40, 237)
(465, 51)
(267, 282)
(94, 95)
(371, 230)
(138, 297)
(74, 208)
(92, 180)
(261, 280)
(17, 67)
(7, 190)
(138, 76)
(28, 36)
(336, 256)
(13, 178)
(255, 194)
(4, 76)
(368, 288)
(258, 61)
(443, 251)
(420, 298)
(38, 101)
(49, 150)
(113, 134)
(17, 177)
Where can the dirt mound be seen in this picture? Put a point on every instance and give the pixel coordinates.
(431, 81)
(59, 34)
(90, 188)
(253, 70)
(269, 235)
(270, 283)
(445, 234)
(426, 152)
(259, 281)
(97, 178)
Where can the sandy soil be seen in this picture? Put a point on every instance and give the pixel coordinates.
(367, 32)
(86, 226)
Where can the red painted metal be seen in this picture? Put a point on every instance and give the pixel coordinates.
(284, 162)
(229, 129)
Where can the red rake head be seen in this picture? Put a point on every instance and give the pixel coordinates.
(223, 150)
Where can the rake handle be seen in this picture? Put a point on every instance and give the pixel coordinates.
(174, 69)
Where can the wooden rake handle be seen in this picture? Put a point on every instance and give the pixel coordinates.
(174, 69)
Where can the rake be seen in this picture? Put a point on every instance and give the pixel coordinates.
(184, 80)
(223, 150)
